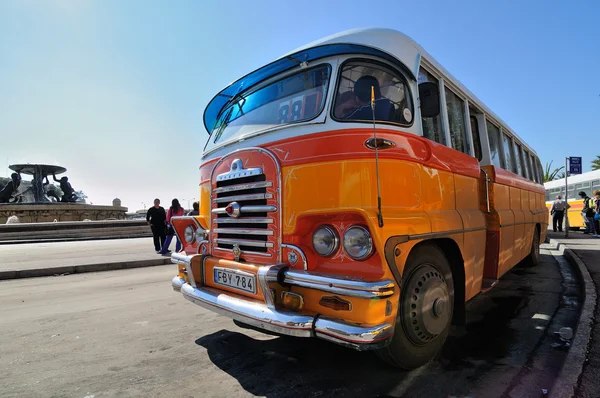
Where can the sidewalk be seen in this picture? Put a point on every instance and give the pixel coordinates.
(44, 259)
(586, 249)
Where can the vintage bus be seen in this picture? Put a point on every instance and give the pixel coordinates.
(354, 191)
(586, 182)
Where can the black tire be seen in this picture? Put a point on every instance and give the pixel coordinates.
(533, 258)
(422, 323)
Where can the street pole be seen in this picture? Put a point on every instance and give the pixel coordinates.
(566, 197)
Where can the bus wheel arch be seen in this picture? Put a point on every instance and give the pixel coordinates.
(426, 306)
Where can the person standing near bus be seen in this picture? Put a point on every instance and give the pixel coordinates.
(156, 218)
(174, 211)
(587, 213)
(597, 211)
(558, 213)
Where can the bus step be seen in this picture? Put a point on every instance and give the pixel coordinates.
(488, 284)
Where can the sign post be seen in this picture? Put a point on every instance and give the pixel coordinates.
(572, 166)
(566, 198)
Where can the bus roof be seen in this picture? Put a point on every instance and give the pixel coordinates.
(403, 48)
(590, 175)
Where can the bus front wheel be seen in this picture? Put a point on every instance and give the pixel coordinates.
(425, 310)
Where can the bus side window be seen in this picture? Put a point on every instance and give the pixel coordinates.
(508, 153)
(476, 139)
(494, 137)
(432, 126)
(518, 158)
(456, 121)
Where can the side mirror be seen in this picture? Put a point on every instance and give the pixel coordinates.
(429, 96)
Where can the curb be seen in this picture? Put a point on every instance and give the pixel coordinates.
(53, 240)
(79, 269)
(568, 379)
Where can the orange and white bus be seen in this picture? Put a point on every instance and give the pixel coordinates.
(587, 182)
(353, 190)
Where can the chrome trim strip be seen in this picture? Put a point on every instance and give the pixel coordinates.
(297, 249)
(259, 315)
(345, 287)
(258, 209)
(444, 233)
(244, 231)
(358, 337)
(241, 242)
(243, 221)
(241, 187)
(250, 312)
(176, 283)
(252, 196)
(232, 175)
(245, 252)
(487, 190)
(248, 209)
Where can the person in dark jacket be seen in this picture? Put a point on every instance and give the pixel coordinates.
(157, 219)
(587, 213)
(196, 211)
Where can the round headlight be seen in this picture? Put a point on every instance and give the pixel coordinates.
(188, 233)
(325, 241)
(201, 234)
(358, 243)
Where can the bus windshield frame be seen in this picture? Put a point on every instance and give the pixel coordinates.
(293, 98)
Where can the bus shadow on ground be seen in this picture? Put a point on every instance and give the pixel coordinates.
(285, 366)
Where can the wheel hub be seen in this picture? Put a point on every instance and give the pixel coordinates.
(425, 305)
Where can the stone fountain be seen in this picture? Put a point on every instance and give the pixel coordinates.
(40, 201)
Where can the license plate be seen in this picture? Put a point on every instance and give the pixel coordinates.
(235, 279)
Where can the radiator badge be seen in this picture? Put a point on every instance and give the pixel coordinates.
(237, 252)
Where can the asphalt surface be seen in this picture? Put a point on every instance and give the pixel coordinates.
(126, 333)
(587, 249)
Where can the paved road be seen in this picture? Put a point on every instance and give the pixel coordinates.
(58, 254)
(126, 333)
(587, 249)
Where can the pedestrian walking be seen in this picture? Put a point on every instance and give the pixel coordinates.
(558, 213)
(156, 218)
(587, 213)
(174, 211)
(196, 211)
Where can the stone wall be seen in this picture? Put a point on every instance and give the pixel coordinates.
(48, 212)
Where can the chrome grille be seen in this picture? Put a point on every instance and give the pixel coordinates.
(253, 229)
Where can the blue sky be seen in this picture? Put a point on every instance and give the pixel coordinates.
(115, 90)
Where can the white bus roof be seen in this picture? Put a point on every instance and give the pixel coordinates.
(590, 175)
(404, 48)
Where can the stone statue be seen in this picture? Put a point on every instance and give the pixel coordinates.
(11, 187)
(69, 195)
(50, 192)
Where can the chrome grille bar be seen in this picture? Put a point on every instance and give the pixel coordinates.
(241, 187)
(245, 252)
(243, 242)
(244, 231)
(248, 209)
(254, 196)
(243, 220)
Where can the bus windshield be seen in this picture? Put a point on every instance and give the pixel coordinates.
(295, 98)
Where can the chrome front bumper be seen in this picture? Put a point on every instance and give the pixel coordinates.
(265, 316)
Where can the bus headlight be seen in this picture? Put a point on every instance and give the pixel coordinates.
(188, 234)
(358, 243)
(201, 234)
(325, 241)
